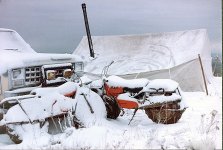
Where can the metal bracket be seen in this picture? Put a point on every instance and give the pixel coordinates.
(89, 105)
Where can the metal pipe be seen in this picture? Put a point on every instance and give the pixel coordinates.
(88, 30)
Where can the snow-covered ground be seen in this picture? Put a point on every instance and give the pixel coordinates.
(199, 128)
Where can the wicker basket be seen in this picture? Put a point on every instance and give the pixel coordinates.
(165, 113)
(164, 116)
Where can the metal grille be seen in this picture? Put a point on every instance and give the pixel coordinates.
(33, 75)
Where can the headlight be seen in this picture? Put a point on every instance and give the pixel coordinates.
(79, 66)
(18, 77)
(67, 73)
(18, 74)
(51, 75)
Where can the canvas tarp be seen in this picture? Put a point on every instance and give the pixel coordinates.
(156, 55)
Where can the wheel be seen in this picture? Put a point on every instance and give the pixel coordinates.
(112, 107)
(167, 113)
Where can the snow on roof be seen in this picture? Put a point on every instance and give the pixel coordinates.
(11, 40)
(146, 52)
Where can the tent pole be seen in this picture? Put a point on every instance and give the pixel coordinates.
(202, 69)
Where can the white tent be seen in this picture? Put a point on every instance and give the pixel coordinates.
(155, 55)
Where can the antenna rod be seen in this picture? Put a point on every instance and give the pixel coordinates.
(88, 30)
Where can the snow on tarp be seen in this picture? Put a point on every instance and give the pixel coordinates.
(151, 52)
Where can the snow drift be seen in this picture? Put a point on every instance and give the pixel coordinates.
(156, 55)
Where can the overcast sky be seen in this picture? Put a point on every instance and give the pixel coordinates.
(57, 26)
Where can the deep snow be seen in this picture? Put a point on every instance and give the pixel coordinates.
(199, 128)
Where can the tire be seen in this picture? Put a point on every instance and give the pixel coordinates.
(112, 107)
(167, 113)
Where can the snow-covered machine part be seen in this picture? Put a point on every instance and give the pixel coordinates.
(151, 99)
(15, 99)
(38, 109)
(116, 81)
(171, 55)
(161, 99)
(66, 89)
(167, 85)
(53, 104)
(51, 110)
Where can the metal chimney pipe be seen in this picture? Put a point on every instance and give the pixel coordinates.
(88, 30)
